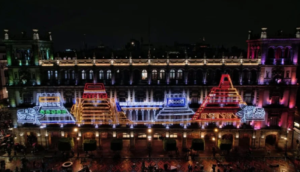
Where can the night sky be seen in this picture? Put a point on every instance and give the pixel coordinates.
(221, 22)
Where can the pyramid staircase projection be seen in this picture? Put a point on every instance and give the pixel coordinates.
(221, 104)
(95, 108)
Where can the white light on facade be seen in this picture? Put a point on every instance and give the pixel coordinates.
(184, 134)
(114, 134)
(131, 134)
(167, 134)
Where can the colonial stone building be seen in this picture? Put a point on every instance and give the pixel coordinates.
(140, 75)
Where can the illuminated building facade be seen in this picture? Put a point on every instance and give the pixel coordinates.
(142, 82)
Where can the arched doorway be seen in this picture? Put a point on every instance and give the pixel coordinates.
(210, 142)
(55, 136)
(271, 140)
(245, 141)
(30, 138)
(136, 76)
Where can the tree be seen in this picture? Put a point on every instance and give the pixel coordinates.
(170, 145)
(89, 145)
(198, 144)
(116, 145)
(224, 144)
(65, 144)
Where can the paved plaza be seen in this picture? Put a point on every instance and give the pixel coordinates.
(106, 164)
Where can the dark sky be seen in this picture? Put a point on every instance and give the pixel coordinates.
(221, 22)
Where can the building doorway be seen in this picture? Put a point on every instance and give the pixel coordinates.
(245, 141)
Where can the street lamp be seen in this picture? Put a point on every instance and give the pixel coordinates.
(216, 130)
(78, 138)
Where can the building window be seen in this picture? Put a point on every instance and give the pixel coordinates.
(174, 135)
(154, 74)
(126, 135)
(16, 75)
(162, 74)
(179, 74)
(49, 74)
(82, 74)
(91, 74)
(275, 100)
(287, 75)
(172, 74)
(248, 98)
(56, 74)
(66, 74)
(108, 74)
(144, 74)
(33, 76)
(267, 74)
(73, 74)
(101, 74)
(142, 135)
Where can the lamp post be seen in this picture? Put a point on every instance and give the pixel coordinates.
(78, 138)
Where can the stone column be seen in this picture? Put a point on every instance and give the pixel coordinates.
(128, 96)
(136, 115)
(143, 118)
(147, 95)
(132, 140)
(242, 94)
(151, 95)
(154, 113)
(254, 98)
(130, 114)
(133, 95)
(148, 115)
(201, 96)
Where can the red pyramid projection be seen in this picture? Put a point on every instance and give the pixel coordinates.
(221, 104)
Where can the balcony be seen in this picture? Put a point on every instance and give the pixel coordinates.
(146, 62)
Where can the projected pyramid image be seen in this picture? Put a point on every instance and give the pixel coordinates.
(95, 108)
(176, 109)
(221, 104)
(49, 110)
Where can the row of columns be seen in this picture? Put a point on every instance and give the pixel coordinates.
(145, 116)
(257, 137)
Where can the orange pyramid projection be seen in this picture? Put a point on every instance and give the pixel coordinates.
(221, 104)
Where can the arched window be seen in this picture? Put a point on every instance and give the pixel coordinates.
(179, 74)
(278, 53)
(144, 74)
(154, 74)
(83, 75)
(172, 74)
(66, 74)
(49, 74)
(73, 74)
(270, 53)
(56, 74)
(108, 74)
(287, 53)
(162, 74)
(101, 74)
(91, 74)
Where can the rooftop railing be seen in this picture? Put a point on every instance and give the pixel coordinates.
(146, 62)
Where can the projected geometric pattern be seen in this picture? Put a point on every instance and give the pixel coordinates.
(176, 109)
(49, 110)
(97, 109)
(251, 113)
(221, 104)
